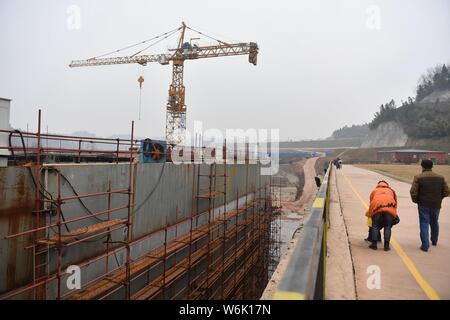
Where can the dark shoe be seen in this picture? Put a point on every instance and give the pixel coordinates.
(386, 246)
(424, 249)
(373, 246)
(434, 244)
(370, 240)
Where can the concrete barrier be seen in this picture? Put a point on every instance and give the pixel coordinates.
(304, 278)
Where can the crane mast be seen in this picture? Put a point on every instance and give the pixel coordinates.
(176, 107)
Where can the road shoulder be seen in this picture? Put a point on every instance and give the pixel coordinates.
(340, 277)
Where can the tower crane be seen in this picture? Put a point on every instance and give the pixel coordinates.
(176, 108)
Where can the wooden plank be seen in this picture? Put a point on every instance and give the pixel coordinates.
(81, 232)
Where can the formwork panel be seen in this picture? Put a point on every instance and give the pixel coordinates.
(16, 206)
(164, 194)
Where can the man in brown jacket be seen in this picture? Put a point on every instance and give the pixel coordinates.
(427, 190)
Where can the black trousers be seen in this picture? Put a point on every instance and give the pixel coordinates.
(369, 235)
(382, 221)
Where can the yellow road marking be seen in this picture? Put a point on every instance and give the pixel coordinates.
(429, 291)
(285, 295)
(319, 203)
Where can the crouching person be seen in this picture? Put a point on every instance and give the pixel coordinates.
(369, 234)
(383, 212)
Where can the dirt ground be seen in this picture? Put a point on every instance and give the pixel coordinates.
(292, 180)
(293, 214)
(404, 171)
(309, 187)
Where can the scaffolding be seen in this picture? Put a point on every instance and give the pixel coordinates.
(228, 252)
(275, 224)
(51, 232)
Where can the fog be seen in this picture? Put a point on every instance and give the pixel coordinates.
(321, 64)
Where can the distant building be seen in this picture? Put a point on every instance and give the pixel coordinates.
(4, 125)
(409, 156)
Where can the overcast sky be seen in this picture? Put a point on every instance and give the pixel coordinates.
(322, 64)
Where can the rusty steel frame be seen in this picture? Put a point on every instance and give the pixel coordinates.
(40, 150)
(237, 241)
(40, 229)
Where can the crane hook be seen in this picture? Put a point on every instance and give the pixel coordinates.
(141, 81)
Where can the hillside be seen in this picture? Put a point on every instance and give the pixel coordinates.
(355, 131)
(387, 134)
(322, 144)
(420, 121)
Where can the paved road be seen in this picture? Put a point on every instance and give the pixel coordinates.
(406, 272)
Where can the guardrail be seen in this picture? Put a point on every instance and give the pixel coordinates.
(304, 278)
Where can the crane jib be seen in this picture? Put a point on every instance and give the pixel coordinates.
(188, 54)
(176, 108)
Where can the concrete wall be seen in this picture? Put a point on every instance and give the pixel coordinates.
(16, 205)
(4, 125)
(163, 192)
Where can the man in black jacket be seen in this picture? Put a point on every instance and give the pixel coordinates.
(427, 190)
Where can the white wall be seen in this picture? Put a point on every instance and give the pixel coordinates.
(4, 124)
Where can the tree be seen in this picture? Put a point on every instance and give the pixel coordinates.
(437, 78)
(445, 77)
(386, 113)
(429, 120)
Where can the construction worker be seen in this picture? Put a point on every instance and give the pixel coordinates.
(383, 213)
(337, 163)
(427, 190)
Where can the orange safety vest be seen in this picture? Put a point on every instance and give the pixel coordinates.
(383, 199)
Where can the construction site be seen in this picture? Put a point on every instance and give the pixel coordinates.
(137, 230)
(137, 225)
(223, 172)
